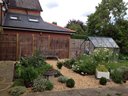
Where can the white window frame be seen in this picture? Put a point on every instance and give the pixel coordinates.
(33, 20)
(14, 17)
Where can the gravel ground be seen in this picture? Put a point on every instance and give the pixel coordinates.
(82, 82)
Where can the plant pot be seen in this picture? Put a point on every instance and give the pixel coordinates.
(100, 74)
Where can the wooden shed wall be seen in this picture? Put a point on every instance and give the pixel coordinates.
(49, 44)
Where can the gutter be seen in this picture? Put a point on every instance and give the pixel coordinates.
(38, 30)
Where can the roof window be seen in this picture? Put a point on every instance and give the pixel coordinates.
(33, 20)
(14, 17)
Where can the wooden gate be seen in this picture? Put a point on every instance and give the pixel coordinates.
(7, 47)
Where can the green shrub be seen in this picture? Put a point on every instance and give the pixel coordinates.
(49, 85)
(103, 55)
(59, 65)
(85, 64)
(70, 83)
(39, 84)
(62, 79)
(29, 68)
(57, 73)
(17, 91)
(28, 75)
(103, 81)
(117, 76)
(69, 63)
(18, 82)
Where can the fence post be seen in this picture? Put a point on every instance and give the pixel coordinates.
(33, 43)
(17, 46)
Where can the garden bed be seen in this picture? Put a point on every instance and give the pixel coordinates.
(82, 82)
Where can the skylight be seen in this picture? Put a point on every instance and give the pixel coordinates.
(14, 17)
(33, 20)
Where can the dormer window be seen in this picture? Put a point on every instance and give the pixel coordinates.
(14, 17)
(33, 19)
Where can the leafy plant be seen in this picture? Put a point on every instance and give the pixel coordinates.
(103, 81)
(41, 84)
(49, 85)
(117, 76)
(29, 68)
(18, 82)
(17, 91)
(59, 65)
(85, 64)
(69, 63)
(57, 73)
(103, 55)
(62, 79)
(70, 83)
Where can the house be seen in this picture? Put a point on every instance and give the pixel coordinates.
(24, 31)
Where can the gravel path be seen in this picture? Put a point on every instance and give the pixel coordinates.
(82, 82)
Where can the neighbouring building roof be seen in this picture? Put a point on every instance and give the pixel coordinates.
(105, 42)
(25, 4)
(30, 22)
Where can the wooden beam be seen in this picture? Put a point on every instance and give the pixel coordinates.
(33, 43)
(17, 46)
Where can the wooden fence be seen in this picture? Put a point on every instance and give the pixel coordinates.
(7, 47)
(77, 47)
(12, 47)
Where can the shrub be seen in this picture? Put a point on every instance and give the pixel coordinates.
(41, 84)
(57, 73)
(29, 68)
(69, 63)
(59, 65)
(62, 79)
(18, 82)
(85, 64)
(49, 85)
(103, 55)
(117, 76)
(17, 91)
(103, 81)
(70, 83)
(28, 75)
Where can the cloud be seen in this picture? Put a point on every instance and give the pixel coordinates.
(52, 5)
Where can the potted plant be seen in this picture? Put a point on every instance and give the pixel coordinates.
(102, 71)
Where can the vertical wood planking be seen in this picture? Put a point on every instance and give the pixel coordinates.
(17, 46)
(33, 43)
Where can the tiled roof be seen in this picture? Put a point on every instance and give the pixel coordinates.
(26, 4)
(23, 21)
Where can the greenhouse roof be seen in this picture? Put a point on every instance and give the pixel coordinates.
(105, 42)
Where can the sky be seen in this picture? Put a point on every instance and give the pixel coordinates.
(62, 11)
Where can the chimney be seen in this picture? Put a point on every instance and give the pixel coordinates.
(54, 23)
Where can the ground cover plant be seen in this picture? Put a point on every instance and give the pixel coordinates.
(41, 84)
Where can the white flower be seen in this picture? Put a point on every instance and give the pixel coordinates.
(82, 73)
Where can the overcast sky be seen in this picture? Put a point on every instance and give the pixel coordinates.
(61, 11)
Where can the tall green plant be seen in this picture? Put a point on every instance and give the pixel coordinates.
(29, 68)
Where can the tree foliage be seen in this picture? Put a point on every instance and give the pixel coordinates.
(109, 20)
(78, 26)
